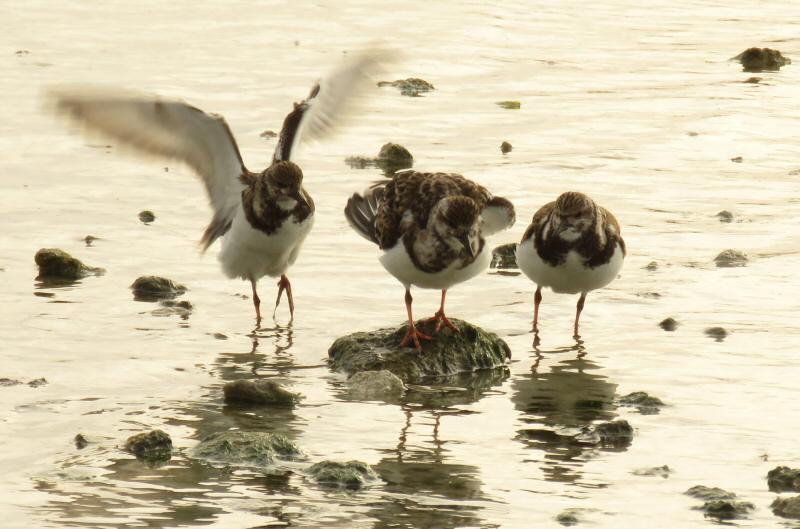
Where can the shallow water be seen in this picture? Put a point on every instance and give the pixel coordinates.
(638, 106)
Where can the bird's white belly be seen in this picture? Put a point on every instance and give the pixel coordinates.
(398, 263)
(251, 253)
(570, 277)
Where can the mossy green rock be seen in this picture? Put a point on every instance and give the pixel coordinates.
(55, 263)
(375, 385)
(257, 449)
(726, 509)
(154, 288)
(260, 391)
(155, 445)
(784, 479)
(787, 507)
(350, 475)
(448, 353)
(710, 493)
(392, 157)
(504, 257)
(510, 105)
(645, 403)
(762, 59)
(412, 87)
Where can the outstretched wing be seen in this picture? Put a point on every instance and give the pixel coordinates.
(170, 129)
(331, 102)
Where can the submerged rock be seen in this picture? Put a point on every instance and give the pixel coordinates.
(35, 383)
(89, 239)
(568, 517)
(752, 80)
(651, 266)
(268, 134)
(710, 493)
(504, 257)
(730, 259)
(375, 384)
(448, 353)
(663, 471)
(737, 159)
(171, 307)
(147, 216)
(786, 507)
(614, 434)
(668, 324)
(55, 263)
(646, 404)
(725, 216)
(154, 288)
(80, 441)
(718, 333)
(784, 479)
(257, 449)
(152, 446)
(762, 59)
(351, 475)
(392, 157)
(412, 87)
(510, 105)
(259, 391)
(506, 147)
(726, 509)
(9, 382)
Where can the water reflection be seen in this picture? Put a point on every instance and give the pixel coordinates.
(557, 405)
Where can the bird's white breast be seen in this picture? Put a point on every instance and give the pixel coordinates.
(571, 276)
(251, 253)
(398, 263)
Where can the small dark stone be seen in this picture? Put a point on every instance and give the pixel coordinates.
(505, 147)
(731, 259)
(692, 133)
(448, 354)
(268, 134)
(21, 52)
(351, 475)
(726, 509)
(568, 517)
(646, 404)
(89, 239)
(236, 447)
(710, 493)
(55, 263)
(259, 391)
(220, 336)
(737, 159)
(762, 59)
(614, 434)
(718, 333)
(147, 216)
(504, 256)
(80, 441)
(752, 80)
(668, 324)
(663, 471)
(786, 507)
(154, 288)
(9, 382)
(37, 382)
(509, 105)
(152, 446)
(411, 87)
(652, 266)
(725, 216)
(784, 479)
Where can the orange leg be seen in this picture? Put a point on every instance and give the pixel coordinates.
(578, 310)
(413, 334)
(440, 318)
(284, 284)
(256, 301)
(537, 299)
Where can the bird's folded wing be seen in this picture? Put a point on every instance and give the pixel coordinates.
(167, 128)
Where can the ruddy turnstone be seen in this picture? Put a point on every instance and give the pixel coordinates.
(572, 246)
(431, 228)
(264, 216)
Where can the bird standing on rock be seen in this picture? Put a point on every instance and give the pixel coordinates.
(431, 228)
(572, 246)
(264, 217)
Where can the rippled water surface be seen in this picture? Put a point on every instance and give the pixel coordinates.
(635, 103)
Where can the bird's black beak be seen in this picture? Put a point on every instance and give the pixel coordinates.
(298, 196)
(464, 240)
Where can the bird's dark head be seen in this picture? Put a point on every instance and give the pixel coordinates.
(457, 221)
(574, 213)
(283, 182)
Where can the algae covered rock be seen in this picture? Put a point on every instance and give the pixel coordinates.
(718, 333)
(412, 87)
(155, 445)
(646, 404)
(663, 471)
(726, 509)
(784, 479)
(762, 59)
(392, 157)
(730, 259)
(447, 354)
(725, 216)
(668, 324)
(504, 256)
(55, 263)
(147, 216)
(509, 105)
(351, 475)
(260, 391)
(506, 147)
(375, 385)
(257, 449)
(611, 434)
(710, 493)
(154, 288)
(786, 507)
